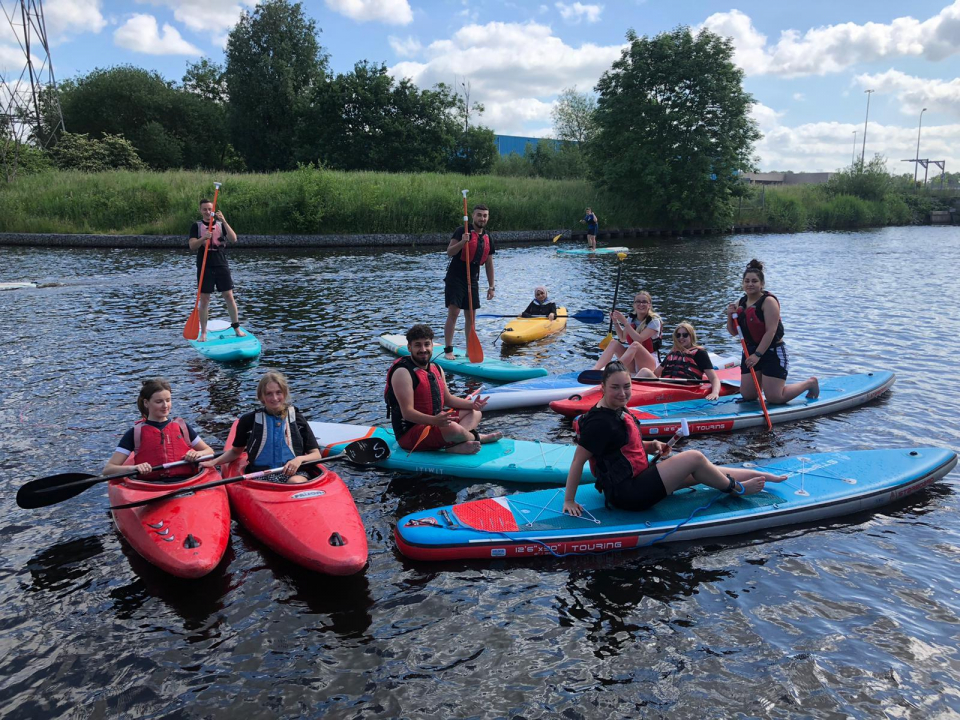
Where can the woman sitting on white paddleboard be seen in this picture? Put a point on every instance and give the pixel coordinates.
(686, 360)
(541, 305)
(758, 315)
(609, 438)
(155, 439)
(276, 435)
(638, 336)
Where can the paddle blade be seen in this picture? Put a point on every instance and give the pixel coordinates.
(191, 331)
(557, 237)
(474, 348)
(606, 341)
(589, 316)
(590, 377)
(367, 451)
(54, 489)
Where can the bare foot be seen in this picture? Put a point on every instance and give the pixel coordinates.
(240, 333)
(470, 447)
(449, 356)
(814, 391)
(203, 337)
(751, 486)
(490, 437)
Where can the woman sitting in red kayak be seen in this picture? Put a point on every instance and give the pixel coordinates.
(276, 435)
(155, 439)
(686, 360)
(609, 438)
(540, 306)
(758, 315)
(638, 337)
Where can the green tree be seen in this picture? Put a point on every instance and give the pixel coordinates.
(867, 182)
(77, 151)
(573, 116)
(474, 152)
(673, 126)
(273, 63)
(207, 80)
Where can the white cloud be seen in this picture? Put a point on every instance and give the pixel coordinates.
(212, 17)
(833, 48)
(576, 12)
(515, 69)
(914, 93)
(141, 34)
(799, 97)
(405, 47)
(72, 17)
(392, 12)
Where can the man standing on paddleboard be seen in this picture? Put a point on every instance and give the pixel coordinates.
(593, 225)
(481, 250)
(216, 274)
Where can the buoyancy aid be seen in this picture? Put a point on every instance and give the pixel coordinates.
(159, 447)
(428, 392)
(257, 440)
(681, 364)
(627, 463)
(652, 343)
(216, 239)
(752, 323)
(476, 258)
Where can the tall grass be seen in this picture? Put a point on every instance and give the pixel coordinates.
(305, 201)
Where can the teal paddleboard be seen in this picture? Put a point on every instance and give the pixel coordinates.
(511, 461)
(598, 251)
(489, 369)
(223, 344)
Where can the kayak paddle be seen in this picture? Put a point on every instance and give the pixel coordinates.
(191, 331)
(753, 374)
(587, 316)
(57, 488)
(360, 452)
(609, 337)
(474, 348)
(558, 237)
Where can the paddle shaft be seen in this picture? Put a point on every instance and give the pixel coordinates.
(753, 374)
(616, 290)
(474, 348)
(585, 316)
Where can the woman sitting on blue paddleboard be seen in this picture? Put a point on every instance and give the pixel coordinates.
(276, 435)
(540, 306)
(687, 361)
(638, 336)
(608, 436)
(758, 315)
(156, 439)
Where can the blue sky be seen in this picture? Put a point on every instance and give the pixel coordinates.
(807, 64)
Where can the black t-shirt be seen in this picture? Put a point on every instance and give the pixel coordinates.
(126, 442)
(217, 256)
(602, 432)
(456, 270)
(245, 426)
(535, 309)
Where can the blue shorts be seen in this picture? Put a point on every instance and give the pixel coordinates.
(592, 229)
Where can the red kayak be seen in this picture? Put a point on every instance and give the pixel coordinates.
(649, 392)
(185, 536)
(314, 524)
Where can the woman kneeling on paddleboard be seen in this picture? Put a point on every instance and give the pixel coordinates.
(639, 336)
(156, 439)
(686, 360)
(540, 306)
(275, 435)
(609, 438)
(758, 317)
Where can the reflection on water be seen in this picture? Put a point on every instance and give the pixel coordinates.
(851, 618)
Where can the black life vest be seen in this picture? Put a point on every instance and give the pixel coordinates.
(681, 364)
(752, 323)
(628, 462)
(257, 439)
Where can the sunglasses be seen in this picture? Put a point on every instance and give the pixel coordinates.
(682, 334)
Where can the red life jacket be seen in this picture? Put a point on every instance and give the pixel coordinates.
(475, 258)
(159, 447)
(216, 241)
(428, 392)
(652, 343)
(630, 461)
(752, 323)
(680, 364)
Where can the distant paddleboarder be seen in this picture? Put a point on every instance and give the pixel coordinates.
(216, 275)
(593, 225)
(455, 283)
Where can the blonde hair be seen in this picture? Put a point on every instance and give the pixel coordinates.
(274, 376)
(693, 338)
(651, 313)
(147, 389)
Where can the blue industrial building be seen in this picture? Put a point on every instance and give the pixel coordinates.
(507, 144)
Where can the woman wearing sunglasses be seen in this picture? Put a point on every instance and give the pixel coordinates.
(687, 360)
(638, 336)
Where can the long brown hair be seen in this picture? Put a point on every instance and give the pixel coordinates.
(147, 389)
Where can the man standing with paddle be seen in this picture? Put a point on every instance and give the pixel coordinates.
(213, 231)
(458, 293)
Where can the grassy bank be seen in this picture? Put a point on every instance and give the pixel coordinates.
(310, 201)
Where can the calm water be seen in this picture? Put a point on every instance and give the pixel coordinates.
(858, 618)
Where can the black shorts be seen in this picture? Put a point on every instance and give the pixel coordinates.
(216, 278)
(640, 492)
(773, 363)
(455, 293)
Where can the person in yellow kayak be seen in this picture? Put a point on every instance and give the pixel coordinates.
(541, 305)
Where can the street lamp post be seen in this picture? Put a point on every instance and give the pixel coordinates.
(853, 159)
(916, 161)
(866, 119)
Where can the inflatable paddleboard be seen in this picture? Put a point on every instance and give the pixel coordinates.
(16, 285)
(598, 251)
(523, 330)
(223, 344)
(820, 486)
(489, 369)
(538, 391)
(515, 461)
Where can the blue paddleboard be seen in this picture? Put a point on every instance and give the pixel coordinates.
(223, 344)
(489, 369)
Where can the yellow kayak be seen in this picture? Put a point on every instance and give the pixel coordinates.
(524, 330)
